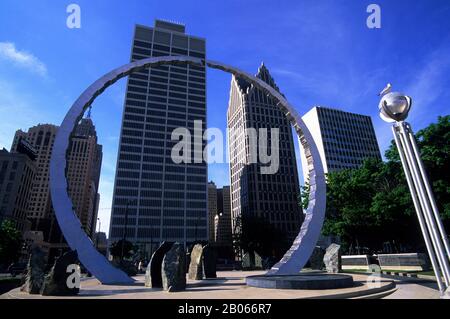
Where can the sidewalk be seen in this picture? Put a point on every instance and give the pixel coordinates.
(228, 285)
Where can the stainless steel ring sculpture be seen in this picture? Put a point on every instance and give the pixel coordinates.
(294, 259)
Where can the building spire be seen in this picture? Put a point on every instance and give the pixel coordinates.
(89, 112)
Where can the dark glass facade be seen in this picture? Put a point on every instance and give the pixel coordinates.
(166, 201)
(273, 197)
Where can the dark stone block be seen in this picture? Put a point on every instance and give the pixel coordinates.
(188, 262)
(316, 259)
(251, 261)
(153, 276)
(209, 261)
(246, 262)
(332, 259)
(55, 283)
(173, 269)
(258, 261)
(196, 265)
(35, 276)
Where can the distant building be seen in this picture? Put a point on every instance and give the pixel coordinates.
(41, 138)
(32, 238)
(17, 172)
(224, 233)
(83, 174)
(344, 139)
(166, 201)
(273, 197)
(212, 211)
(101, 243)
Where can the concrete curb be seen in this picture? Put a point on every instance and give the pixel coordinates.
(372, 293)
(409, 275)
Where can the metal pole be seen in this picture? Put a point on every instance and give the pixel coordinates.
(426, 206)
(418, 209)
(125, 230)
(99, 228)
(196, 229)
(429, 191)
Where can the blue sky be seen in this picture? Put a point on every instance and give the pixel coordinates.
(319, 52)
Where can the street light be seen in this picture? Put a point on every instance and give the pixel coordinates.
(99, 228)
(124, 237)
(196, 229)
(394, 107)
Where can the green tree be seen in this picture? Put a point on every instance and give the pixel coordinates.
(10, 242)
(434, 146)
(349, 195)
(303, 197)
(372, 204)
(116, 249)
(257, 234)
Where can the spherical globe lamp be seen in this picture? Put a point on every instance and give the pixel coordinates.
(394, 107)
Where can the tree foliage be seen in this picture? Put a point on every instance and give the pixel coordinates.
(10, 242)
(257, 234)
(372, 205)
(303, 197)
(116, 249)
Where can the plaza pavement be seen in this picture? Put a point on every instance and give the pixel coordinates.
(231, 285)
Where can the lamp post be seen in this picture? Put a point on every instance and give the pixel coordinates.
(99, 228)
(196, 229)
(124, 237)
(394, 107)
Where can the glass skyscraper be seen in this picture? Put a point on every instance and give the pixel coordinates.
(154, 198)
(344, 139)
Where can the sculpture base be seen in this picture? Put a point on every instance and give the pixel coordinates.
(308, 281)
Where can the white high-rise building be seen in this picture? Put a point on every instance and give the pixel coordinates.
(344, 139)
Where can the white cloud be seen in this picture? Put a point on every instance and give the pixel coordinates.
(428, 86)
(9, 52)
(17, 111)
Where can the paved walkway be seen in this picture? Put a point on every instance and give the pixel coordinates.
(229, 285)
(414, 288)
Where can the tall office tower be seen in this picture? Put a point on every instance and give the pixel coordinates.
(269, 196)
(41, 137)
(223, 236)
(40, 212)
(83, 171)
(156, 198)
(212, 211)
(17, 171)
(344, 139)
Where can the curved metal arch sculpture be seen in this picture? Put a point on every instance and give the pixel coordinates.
(294, 259)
